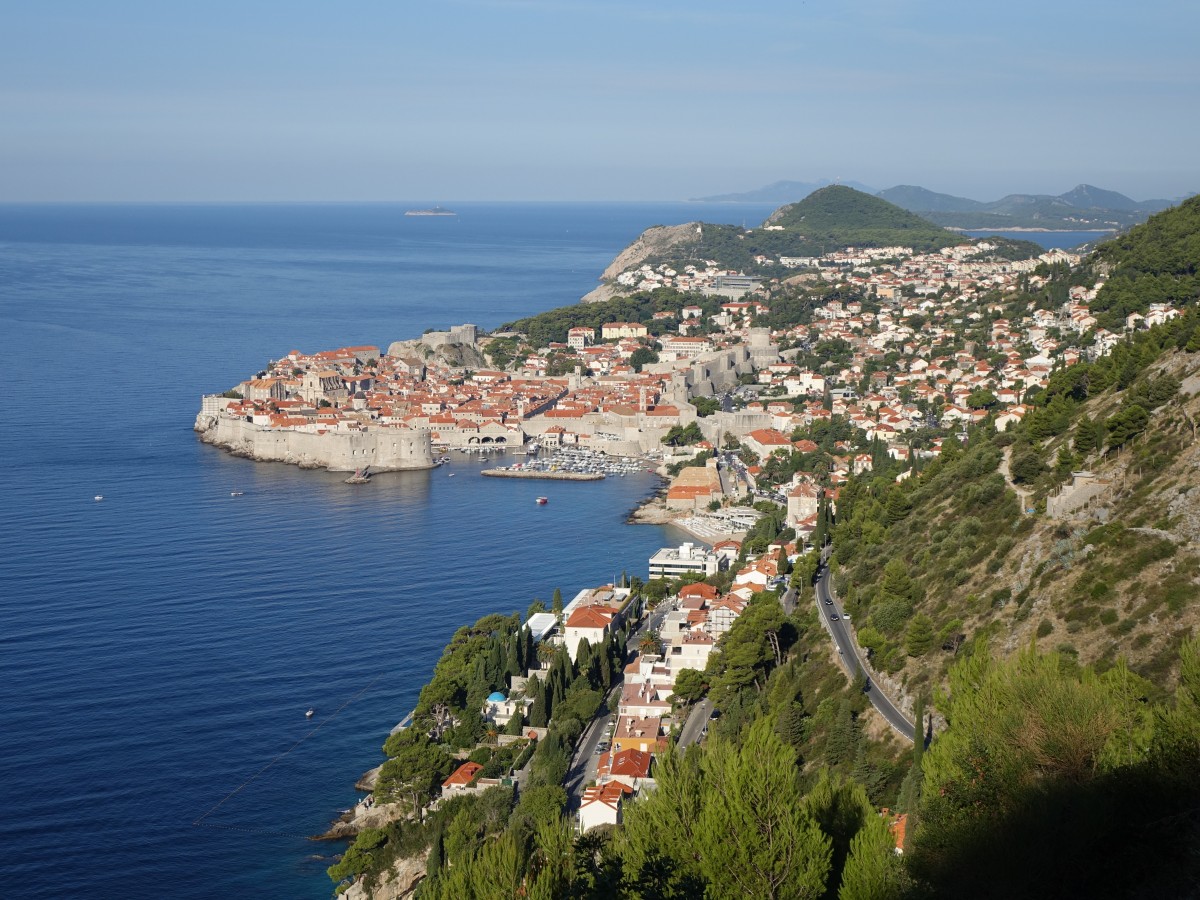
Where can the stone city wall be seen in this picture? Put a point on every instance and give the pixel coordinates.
(383, 449)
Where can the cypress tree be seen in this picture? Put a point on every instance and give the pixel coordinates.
(539, 713)
(512, 660)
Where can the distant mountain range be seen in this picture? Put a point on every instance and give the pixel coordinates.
(1083, 208)
(782, 192)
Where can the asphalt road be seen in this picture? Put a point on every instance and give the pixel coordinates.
(852, 655)
(585, 760)
(693, 728)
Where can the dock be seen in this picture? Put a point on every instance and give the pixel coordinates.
(544, 475)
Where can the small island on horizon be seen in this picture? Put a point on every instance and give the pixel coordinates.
(433, 211)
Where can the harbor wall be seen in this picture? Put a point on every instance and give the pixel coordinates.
(383, 449)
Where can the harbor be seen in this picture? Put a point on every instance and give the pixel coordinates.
(573, 463)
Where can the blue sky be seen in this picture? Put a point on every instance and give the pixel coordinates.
(595, 99)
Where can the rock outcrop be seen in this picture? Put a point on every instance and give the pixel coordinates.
(455, 355)
(397, 883)
(652, 242)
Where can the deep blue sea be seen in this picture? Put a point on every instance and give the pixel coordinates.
(158, 649)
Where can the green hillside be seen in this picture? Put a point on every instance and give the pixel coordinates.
(837, 217)
(1157, 262)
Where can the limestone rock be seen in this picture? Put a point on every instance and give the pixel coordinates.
(397, 883)
(651, 242)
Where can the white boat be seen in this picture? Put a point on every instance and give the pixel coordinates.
(98, 497)
(310, 714)
(235, 493)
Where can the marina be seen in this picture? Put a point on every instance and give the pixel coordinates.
(573, 461)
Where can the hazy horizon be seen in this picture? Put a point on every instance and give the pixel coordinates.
(535, 100)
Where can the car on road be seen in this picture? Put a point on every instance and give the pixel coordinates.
(828, 601)
(601, 747)
(833, 617)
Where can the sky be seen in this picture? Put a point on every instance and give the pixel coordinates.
(592, 99)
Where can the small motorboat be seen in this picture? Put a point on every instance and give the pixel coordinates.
(236, 493)
(451, 475)
(98, 497)
(542, 501)
(310, 714)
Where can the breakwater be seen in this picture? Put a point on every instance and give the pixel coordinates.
(550, 476)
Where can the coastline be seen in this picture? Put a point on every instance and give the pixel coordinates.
(1017, 229)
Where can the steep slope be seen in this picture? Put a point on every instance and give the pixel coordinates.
(1108, 567)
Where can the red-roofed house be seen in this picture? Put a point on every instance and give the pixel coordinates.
(630, 767)
(460, 780)
(601, 805)
(898, 825)
(592, 623)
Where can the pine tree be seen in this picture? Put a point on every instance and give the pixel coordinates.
(755, 836)
(556, 604)
(840, 743)
(840, 808)
(873, 871)
(897, 506)
(918, 640)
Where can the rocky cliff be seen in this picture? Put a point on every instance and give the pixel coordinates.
(652, 242)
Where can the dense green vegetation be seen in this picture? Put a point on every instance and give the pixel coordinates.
(836, 217)
(552, 326)
(896, 544)
(1051, 780)
(1157, 262)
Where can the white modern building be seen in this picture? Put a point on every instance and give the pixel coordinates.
(671, 562)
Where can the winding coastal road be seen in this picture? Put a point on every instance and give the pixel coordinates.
(834, 621)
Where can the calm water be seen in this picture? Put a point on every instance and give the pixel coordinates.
(159, 648)
(1064, 240)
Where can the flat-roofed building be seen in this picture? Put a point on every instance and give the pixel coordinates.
(671, 562)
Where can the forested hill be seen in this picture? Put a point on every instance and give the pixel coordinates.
(952, 552)
(838, 216)
(1157, 262)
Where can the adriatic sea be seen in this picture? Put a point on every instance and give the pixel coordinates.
(159, 648)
